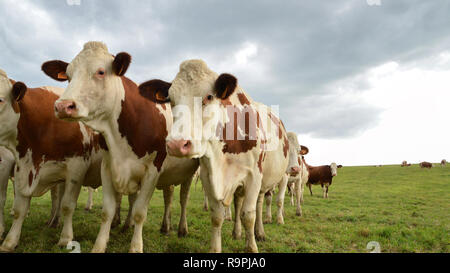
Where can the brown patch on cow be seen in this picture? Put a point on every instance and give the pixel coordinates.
(48, 137)
(260, 161)
(285, 146)
(142, 124)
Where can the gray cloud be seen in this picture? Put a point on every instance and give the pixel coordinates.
(303, 48)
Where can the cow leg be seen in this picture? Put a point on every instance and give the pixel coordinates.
(139, 213)
(116, 220)
(259, 227)
(128, 221)
(3, 193)
(323, 190)
(217, 217)
(302, 191)
(268, 198)
(57, 193)
(238, 201)
(205, 202)
(326, 192)
(249, 214)
(168, 196)
(280, 199)
(72, 190)
(310, 190)
(20, 207)
(89, 203)
(228, 215)
(184, 197)
(299, 197)
(110, 198)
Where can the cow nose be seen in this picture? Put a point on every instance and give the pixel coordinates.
(295, 170)
(65, 108)
(179, 147)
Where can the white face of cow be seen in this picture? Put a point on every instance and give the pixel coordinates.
(333, 167)
(9, 96)
(294, 150)
(95, 88)
(195, 95)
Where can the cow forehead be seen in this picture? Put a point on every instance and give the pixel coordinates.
(193, 79)
(292, 137)
(5, 84)
(93, 53)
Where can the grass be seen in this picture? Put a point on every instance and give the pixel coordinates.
(404, 209)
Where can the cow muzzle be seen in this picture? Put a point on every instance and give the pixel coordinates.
(179, 148)
(294, 170)
(65, 109)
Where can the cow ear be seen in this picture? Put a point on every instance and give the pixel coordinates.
(155, 90)
(121, 63)
(18, 91)
(56, 70)
(225, 85)
(303, 150)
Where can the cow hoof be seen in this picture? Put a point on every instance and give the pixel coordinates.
(87, 209)
(237, 235)
(63, 242)
(98, 249)
(260, 238)
(280, 221)
(4, 249)
(268, 221)
(205, 208)
(182, 232)
(298, 213)
(136, 249)
(251, 249)
(164, 230)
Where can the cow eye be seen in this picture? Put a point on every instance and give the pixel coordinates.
(2, 100)
(100, 73)
(209, 97)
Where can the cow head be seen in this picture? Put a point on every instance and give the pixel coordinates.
(333, 167)
(95, 88)
(11, 93)
(294, 151)
(197, 96)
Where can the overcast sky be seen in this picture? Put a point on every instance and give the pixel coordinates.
(361, 82)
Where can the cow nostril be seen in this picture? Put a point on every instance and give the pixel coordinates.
(71, 106)
(187, 144)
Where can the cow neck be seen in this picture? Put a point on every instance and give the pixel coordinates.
(135, 128)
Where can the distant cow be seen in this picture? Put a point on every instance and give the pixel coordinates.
(425, 165)
(443, 162)
(322, 175)
(405, 164)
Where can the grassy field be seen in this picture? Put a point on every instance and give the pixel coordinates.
(404, 209)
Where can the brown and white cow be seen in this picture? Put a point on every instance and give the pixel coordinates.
(240, 155)
(405, 164)
(443, 162)
(297, 178)
(321, 175)
(46, 150)
(134, 128)
(425, 164)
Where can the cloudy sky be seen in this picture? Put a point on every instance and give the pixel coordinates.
(361, 82)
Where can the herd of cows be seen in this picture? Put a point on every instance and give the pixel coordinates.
(105, 130)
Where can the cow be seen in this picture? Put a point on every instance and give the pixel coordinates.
(443, 162)
(322, 175)
(100, 96)
(425, 164)
(241, 156)
(297, 178)
(47, 152)
(405, 164)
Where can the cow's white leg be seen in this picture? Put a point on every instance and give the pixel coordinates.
(299, 196)
(21, 206)
(168, 196)
(73, 183)
(205, 202)
(292, 190)
(228, 214)
(108, 211)
(128, 221)
(302, 191)
(3, 191)
(268, 198)
(139, 213)
(280, 199)
(237, 229)
(217, 217)
(89, 203)
(184, 197)
(259, 227)
(249, 214)
(57, 193)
